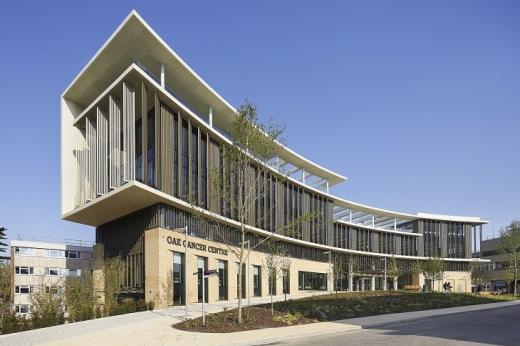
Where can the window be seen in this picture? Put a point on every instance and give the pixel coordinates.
(22, 309)
(222, 280)
(24, 270)
(52, 271)
(54, 253)
(257, 281)
(184, 160)
(194, 164)
(150, 145)
(53, 289)
(71, 272)
(87, 255)
(312, 281)
(24, 251)
(178, 278)
(23, 289)
(204, 168)
(286, 281)
(139, 150)
(72, 254)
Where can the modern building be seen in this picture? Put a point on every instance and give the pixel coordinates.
(497, 275)
(140, 129)
(44, 265)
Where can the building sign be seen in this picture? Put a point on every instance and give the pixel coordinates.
(197, 246)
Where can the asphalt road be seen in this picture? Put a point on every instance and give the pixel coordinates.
(499, 326)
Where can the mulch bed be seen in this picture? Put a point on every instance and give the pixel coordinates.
(253, 318)
(330, 308)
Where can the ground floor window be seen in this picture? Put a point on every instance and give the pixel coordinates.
(257, 281)
(312, 281)
(222, 280)
(178, 278)
(243, 280)
(202, 266)
(272, 282)
(286, 281)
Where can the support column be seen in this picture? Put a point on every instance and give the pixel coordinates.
(362, 284)
(210, 117)
(395, 283)
(162, 76)
(350, 279)
(373, 283)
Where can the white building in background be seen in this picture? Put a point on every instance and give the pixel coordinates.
(47, 265)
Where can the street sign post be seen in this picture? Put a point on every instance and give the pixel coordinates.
(205, 274)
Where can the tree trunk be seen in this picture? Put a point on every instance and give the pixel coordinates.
(271, 293)
(516, 278)
(240, 273)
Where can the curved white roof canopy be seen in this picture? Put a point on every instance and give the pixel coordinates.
(134, 41)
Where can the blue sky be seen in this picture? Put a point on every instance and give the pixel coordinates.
(417, 102)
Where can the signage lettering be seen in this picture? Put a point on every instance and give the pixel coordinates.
(197, 246)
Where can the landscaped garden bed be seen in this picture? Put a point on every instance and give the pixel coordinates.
(332, 307)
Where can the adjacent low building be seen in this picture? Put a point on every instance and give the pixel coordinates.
(496, 277)
(140, 130)
(44, 265)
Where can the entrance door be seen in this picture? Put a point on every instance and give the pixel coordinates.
(178, 278)
(202, 266)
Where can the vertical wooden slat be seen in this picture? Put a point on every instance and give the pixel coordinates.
(128, 132)
(102, 151)
(91, 158)
(144, 121)
(115, 142)
(158, 148)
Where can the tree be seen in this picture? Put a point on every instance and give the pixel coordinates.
(433, 270)
(478, 273)
(47, 304)
(239, 185)
(80, 297)
(112, 269)
(392, 269)
(275, 262)
(3, 236)
(510, 247)
(339, 268)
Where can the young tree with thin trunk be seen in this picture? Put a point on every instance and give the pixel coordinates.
(48, 304)
(80, 297)
(274, 263)
(478, 273)
(112, 269)
(510, 247)
(392, 269)
(239, 186)
(339, 269)
(433, 270)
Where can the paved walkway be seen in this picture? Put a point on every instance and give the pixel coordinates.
(496, 326)
(155, 328)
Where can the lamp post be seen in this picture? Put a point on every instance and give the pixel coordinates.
(247, 271)
(384, 284)
(330, 269)
(185, 273)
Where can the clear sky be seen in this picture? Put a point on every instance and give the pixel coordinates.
(416, 102)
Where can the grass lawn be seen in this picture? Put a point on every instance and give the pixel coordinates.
(333, 307)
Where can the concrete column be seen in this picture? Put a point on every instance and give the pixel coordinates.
(162, 76)
(210, 116)
(362, 284)
(350, 282)
(373, 283)
(395, 283)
